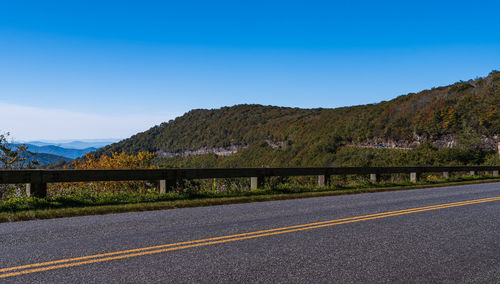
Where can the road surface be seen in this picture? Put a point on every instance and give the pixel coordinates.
(449, 235)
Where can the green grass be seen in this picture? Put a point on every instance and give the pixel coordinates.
(85, 202)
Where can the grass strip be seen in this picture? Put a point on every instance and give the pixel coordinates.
(37, 214)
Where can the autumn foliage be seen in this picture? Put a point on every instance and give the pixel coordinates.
(116, 161)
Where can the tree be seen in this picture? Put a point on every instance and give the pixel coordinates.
(13, 157)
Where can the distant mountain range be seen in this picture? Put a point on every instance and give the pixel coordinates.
(76, 144)
(50, 152)
(48, 159)
(60, 151)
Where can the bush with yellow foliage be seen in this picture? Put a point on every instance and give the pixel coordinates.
(116, 161)
(142, 160)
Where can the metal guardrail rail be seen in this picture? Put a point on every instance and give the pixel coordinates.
(37, 180)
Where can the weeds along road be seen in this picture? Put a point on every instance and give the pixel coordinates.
(449, 234)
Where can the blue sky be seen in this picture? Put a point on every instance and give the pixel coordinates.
(108, 69)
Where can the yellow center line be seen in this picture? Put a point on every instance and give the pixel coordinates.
(224, 239)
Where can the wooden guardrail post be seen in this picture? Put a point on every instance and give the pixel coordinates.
(36, 190)
(414, 176)
(324, 180)
(256, 182)
(495, 173)
(163, 186)
(37, 187)
(168, 183)
(374, 178)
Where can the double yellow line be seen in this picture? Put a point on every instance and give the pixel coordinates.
(77, 261)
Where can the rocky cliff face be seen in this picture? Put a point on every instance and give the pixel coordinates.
(448, 141)
(219, 151)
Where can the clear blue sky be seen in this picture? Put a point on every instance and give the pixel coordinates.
(99, 69)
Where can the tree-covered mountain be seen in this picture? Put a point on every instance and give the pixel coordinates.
(464, 114)
(44, 159)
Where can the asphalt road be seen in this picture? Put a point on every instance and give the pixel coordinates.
(442, 241)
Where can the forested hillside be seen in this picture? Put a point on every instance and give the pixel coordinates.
(462, 115)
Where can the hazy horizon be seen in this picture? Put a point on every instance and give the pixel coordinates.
(71, 140)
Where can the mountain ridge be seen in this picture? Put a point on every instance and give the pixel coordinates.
(59, 151)
(72, 144)
(444, 116)
(44, 159)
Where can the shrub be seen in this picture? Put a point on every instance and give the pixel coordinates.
(116, 161)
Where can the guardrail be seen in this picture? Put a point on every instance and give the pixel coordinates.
(37, 180)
